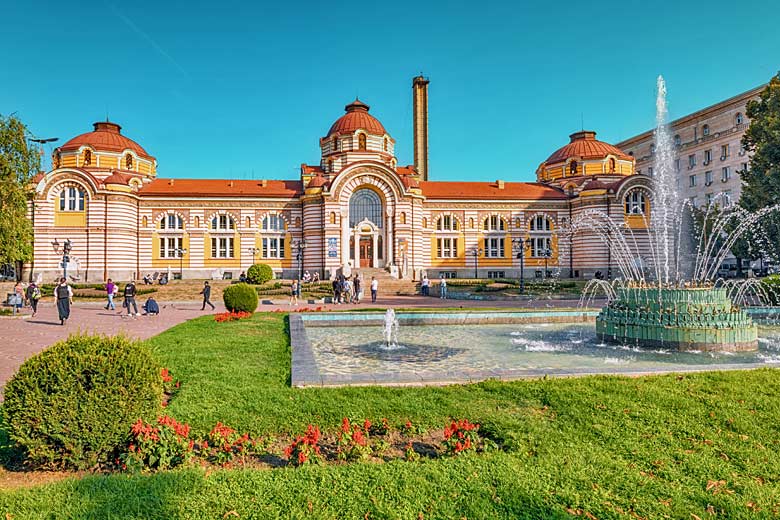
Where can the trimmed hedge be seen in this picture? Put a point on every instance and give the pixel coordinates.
(259, 273)
(240, 298)
(72, 405)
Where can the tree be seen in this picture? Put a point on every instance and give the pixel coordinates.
(18, 164)
(761, 181)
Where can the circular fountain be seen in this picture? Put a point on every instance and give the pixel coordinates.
(667, 294)
(700, 318)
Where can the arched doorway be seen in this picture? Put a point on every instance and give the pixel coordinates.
(366, 225)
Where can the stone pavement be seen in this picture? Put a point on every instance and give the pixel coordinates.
(21, 337)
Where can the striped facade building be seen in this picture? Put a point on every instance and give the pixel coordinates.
(356, 207)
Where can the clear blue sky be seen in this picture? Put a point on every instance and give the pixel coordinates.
(245, 89)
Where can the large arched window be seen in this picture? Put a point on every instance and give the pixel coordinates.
(128, 162)
(171, 221)
(222, 223)
(361, 141)
(87, 158)
(72, 199)
(494, 223)
(636, 203)
(365, 204)
(273, 222)
(540, 223)
(447, 223)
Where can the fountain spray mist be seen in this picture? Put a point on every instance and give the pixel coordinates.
(666, 208)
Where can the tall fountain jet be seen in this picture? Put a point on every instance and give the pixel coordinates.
(665, 218)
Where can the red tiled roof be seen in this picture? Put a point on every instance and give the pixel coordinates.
(585, 145)
(406, 170)
(221, 188)
(106, 136)
(118, 178)
(490, 190)
(306, 168)
(318, 181)
(357, 118)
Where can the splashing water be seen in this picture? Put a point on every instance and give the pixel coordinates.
(390, 331)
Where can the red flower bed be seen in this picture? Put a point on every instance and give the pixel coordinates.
(305, 448)
(231, 316)
(461, 436)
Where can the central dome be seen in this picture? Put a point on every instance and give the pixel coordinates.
(357, 118)
(106, 136)
(584, 145)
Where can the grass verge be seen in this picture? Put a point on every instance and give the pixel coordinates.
(610, 447)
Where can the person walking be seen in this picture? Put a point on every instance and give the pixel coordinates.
(443, 288)
(206, 292)
(336, 291)
(111, 290)
(294, 293)
(33, 294)
(129, 295)
(19, 292)
(374, 288)
(425, 286)
(64, 295)
(347, 291)
(358, 289)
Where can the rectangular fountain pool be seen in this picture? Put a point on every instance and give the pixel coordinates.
(333, 349)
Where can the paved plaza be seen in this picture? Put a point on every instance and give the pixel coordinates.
(25, 336)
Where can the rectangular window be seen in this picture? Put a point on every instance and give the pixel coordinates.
(496, 274)
(708, 177)
(447, 247)
(707, 156)
(691, 161)
(727, 201)
(494, 247)
(650, 171)
(677, 164)
(744, 167)
(541, 247)
(724, 152)
(448, 274)
(709, 199)
(273, 248)
(692, 181)
(222, 248)
(725, 174)
(170, 247)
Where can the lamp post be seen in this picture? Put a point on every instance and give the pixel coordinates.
(181, 252)
(66, 247)
(547, 255)
(299, 246)
(254, 251)
(476, 251)
(519, 246)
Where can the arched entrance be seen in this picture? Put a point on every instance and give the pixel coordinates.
(366, 228)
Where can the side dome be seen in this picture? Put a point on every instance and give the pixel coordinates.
(585, 156)
(106, 136)
(357, 118)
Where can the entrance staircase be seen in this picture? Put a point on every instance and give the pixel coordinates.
(387, 284)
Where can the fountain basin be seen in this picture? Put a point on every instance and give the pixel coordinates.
(701, 319)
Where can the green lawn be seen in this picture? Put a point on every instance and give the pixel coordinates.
(604, 446)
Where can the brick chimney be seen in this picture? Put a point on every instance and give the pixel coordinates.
(500, 184)
(420, 122)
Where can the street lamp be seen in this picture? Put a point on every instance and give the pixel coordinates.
(519, 246)
(547, 254)
(299, 246)
(181, 252)
(66, 247)
(476, 251)
(254, 251)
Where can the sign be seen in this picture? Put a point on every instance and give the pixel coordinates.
(333, 248)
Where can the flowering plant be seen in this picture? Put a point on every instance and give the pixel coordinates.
(305, 448)
(461, 436)
(231, 316)
(409, 453)
(411, 429)
(226, 444)
(353, 441)
(170, 386)
(163, 445)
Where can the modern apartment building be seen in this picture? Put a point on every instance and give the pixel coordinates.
(709, 150)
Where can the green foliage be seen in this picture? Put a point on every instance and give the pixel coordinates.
(72, 405)
(240, 298)
(18, 164)
(771, 285)
(761, 182)
(259, 273)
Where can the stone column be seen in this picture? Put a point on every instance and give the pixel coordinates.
(357, 250)
(344, 239)
(375, 259)
(389, 241)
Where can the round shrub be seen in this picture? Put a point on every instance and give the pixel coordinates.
(240, 297)
(259, 273)
(72, 405)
